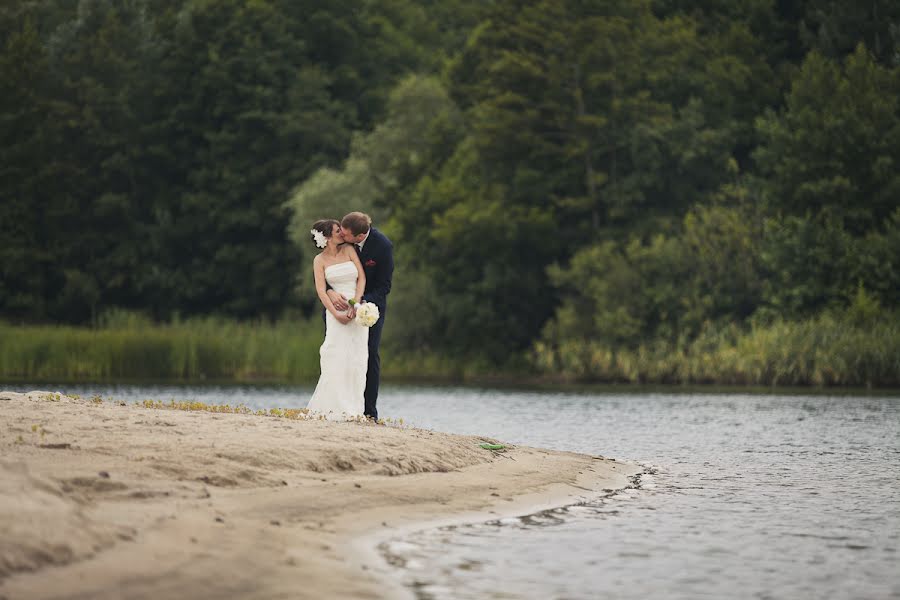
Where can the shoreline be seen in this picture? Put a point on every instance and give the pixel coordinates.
(109, 500)
(510, 382)
(366, 547)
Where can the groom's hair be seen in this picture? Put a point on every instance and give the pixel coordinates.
(357, 222)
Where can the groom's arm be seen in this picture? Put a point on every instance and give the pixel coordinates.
(380, 285)
(337, 298)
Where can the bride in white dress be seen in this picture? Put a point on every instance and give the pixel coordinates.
(344, 355)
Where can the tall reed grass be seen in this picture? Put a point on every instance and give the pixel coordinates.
(826, 350)
(131, 348)
(126, 346)
(822, 351)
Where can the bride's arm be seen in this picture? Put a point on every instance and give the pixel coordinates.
(360, 275)
(319, 273)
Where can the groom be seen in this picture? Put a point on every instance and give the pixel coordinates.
(376, 253)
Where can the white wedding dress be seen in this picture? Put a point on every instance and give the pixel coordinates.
(344, 356)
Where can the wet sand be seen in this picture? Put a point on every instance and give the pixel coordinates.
(105, 501)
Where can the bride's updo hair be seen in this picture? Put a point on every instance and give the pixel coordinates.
(323, 226)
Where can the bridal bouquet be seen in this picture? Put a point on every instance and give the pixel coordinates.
(366, 313)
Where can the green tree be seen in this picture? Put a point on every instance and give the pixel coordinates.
(247, 117)
(381, 166)
(812, 265)
(606, 112)
(835, 147)
(25, 259)
(580, 121)
(835, 29)
(82, 186)
(666, 288)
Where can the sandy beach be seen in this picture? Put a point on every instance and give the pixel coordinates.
(104, 500)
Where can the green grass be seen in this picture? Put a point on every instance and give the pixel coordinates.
(128, 347)
(134, 349)
(824, 351)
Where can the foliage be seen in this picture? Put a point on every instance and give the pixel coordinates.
(381, 163)
(149, 146)
(814, 265)
(836, 146)
(605, 183)
(667, 287)
(826, 350)
(836, 28)
(133, 348)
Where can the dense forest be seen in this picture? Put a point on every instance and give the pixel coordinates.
(607, 189)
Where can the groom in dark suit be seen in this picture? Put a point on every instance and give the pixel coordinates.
(376, 253)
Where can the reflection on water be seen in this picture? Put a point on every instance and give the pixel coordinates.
(751, 496)
(743, 495)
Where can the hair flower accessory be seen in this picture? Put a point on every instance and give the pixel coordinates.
(318, 238)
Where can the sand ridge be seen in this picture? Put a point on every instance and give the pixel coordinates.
(102, 500)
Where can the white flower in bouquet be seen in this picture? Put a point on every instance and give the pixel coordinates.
(366, 313)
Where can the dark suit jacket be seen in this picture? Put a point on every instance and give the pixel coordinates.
(377, 258)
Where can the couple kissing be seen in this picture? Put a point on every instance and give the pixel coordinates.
(353, 272)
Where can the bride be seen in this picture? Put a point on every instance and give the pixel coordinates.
(344, 355)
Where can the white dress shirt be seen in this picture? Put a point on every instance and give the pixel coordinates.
(362, 243)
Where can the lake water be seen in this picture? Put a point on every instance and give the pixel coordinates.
(742, 496)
